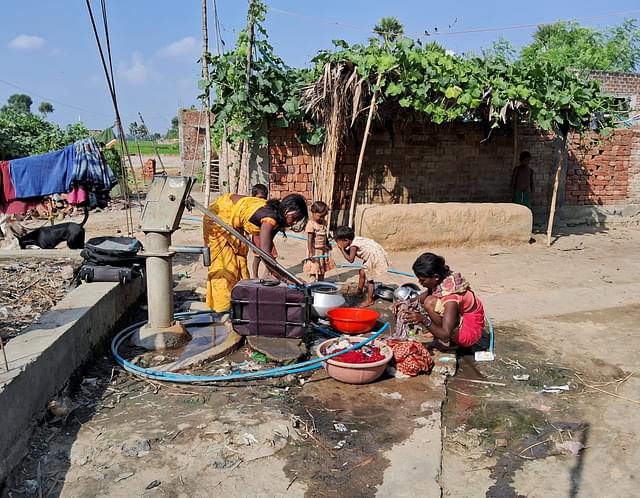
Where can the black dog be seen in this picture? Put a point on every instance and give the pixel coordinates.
(49, 237)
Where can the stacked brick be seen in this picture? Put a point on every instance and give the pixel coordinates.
(291, 164)
(599, 173)
(192, 133)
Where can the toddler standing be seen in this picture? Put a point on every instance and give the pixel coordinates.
(318, 262)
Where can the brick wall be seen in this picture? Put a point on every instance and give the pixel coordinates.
(450, 163)
(620, 85)
(409, 162)
(598, 172)
(192, 133)
(290, 164)
(454, 163)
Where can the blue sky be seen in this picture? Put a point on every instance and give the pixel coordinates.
(47, 48)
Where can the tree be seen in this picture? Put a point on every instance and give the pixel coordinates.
(571, 45)
(24, 134)
(173, 131)
(45, 108)
(138, 131)
(18, 102)
(388, 28)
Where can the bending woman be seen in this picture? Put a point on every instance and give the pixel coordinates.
(250, 215)
(451, 310)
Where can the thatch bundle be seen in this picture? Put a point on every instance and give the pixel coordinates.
(334, 101)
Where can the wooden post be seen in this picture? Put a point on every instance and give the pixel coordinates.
(372, 107)
(4, 354)
(207, 105)
(244, 175)
(554, 197)
(515, 140)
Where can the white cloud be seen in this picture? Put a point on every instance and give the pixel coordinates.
(187, 46)
(134, 71)
(26, 42)
(55, 51)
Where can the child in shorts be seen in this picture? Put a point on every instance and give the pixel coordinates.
(373, 256)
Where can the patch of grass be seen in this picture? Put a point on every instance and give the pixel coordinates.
(146, 148)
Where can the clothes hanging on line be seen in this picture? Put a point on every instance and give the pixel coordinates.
(8, 202)
(90, 168)
(78, 165)
(78, 195)
(44, 174)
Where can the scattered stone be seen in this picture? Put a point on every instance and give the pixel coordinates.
(67, 272)
(394, 395)
(572, 447)
(521, 377)
(137, 448)
(249, 439)
(31, 486)
(501, 443)
(60, 407)
(122, 477)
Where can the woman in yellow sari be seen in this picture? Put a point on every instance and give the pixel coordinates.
(251, 216)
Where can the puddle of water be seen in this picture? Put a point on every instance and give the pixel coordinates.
(207, 331)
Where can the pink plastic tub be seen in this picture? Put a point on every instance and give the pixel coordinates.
(355, 373)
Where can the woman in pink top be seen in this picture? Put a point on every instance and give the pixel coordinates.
(451, 310)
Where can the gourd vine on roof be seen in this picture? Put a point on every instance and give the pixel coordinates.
(423, 78)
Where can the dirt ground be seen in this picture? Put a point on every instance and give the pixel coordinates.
(564, 316)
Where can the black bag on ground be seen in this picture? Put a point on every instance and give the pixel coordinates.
(113, 251)
(104, 273)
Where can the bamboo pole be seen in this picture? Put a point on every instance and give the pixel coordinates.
(244, 176)
(372, 108)
(153, 141)
(556, 183)
(207, 105)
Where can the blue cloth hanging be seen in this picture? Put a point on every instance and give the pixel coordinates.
(44, 174)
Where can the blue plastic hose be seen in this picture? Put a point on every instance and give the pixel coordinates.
(150, 373)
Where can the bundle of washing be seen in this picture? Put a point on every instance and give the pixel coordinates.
(79, 170)
(411, 357)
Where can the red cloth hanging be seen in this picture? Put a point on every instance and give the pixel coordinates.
(8, 202)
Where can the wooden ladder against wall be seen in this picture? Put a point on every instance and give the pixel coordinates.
(215, 175)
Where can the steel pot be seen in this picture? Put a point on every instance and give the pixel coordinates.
(326, 296)
(385, 291)
(406, 291)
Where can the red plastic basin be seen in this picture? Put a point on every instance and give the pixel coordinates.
(353, 320)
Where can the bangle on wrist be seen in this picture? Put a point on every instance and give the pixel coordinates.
(427, 321)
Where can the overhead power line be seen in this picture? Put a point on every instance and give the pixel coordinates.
(74, 107)
(435, 32)
(54, 100)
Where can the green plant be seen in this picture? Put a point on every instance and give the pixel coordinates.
(272, 93)
(573, 46)
(421, 78)
(23, 134)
